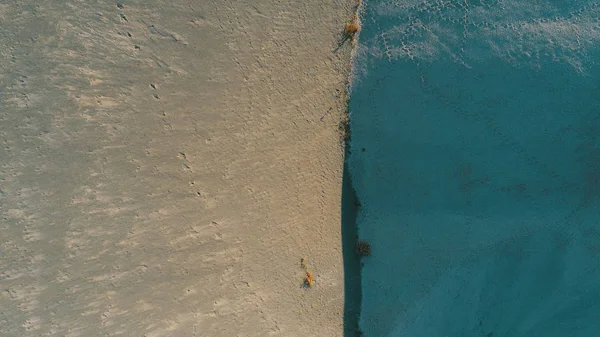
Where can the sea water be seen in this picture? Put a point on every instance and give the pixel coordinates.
(475, 154)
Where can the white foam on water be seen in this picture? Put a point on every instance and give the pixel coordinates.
(520, 32)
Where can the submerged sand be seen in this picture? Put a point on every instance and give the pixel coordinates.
(164, 167)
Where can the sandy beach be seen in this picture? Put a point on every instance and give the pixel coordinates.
(164, 167)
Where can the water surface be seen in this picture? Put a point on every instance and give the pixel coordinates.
(475, 154)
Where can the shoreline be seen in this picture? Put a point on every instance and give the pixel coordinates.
(350, 208)
(352, 262)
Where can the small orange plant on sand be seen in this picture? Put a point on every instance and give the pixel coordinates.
(309, 280)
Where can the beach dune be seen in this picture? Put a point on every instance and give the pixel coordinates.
(165, 166)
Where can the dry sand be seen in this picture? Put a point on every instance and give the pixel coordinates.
(164, 167)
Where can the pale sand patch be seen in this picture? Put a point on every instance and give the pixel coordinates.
(164, 167)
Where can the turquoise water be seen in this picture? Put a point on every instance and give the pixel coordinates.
(475, 154)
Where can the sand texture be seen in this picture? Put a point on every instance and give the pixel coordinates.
(164, 167)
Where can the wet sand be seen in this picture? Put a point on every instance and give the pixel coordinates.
(164, 168)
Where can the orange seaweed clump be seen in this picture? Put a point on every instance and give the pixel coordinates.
(352, 28)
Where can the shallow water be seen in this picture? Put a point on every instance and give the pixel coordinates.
(475, 153)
